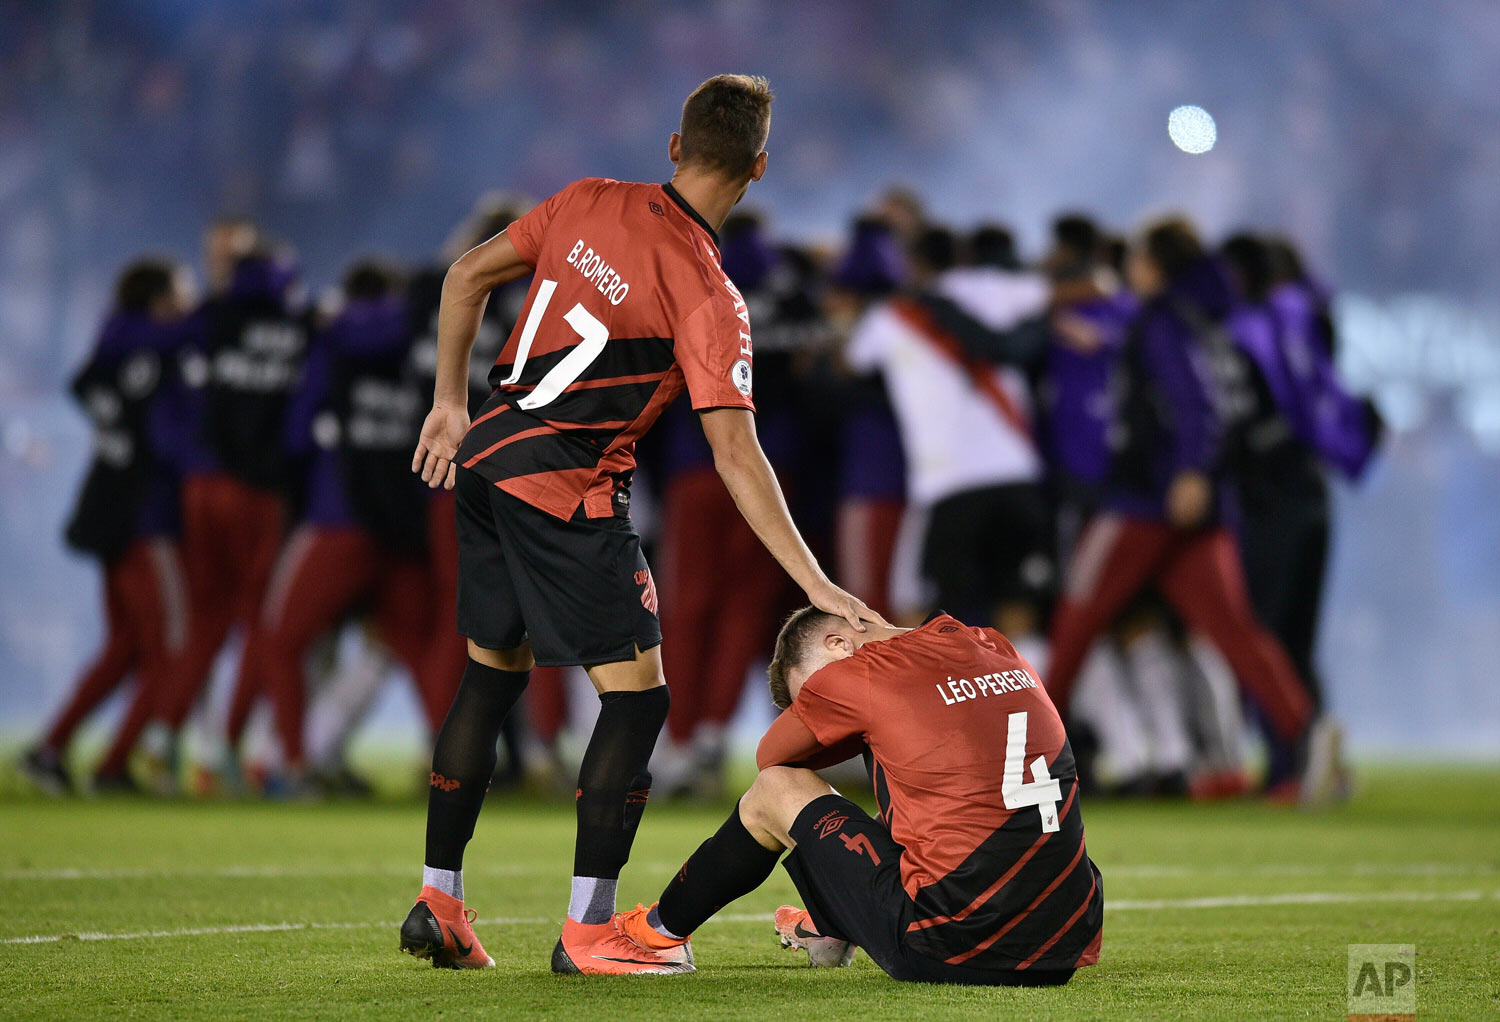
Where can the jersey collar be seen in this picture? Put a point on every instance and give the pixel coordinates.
(682, 204)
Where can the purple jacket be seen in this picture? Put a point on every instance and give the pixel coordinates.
(1166, 420)
(873, 463)
(1282, 340)
(324, 500)
(872, 265)
(1078, 413)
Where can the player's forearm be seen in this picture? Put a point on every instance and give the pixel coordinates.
(788, 741)
(466, 290)
(750, 480)
(459, 316)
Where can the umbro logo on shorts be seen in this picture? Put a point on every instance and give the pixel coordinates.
(830, 823)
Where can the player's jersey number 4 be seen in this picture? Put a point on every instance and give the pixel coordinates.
(1041, 791)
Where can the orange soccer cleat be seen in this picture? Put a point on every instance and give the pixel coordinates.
(603, 949)
(796, 930)
(634, 924)
(438, 927)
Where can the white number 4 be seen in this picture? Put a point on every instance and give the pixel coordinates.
(594, 336)
(1041, 791)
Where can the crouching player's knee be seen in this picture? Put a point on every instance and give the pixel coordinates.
(770, 807)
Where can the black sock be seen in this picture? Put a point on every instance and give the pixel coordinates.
(464, 757)
(613, 783)
(727, 866)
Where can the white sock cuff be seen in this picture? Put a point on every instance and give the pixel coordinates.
(593, 900)
(449, 881)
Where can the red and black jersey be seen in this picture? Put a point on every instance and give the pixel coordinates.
(977, 783)
(627, 306)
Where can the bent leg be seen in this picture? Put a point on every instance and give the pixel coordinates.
(1206, 586)
(156, 619)
(1115, 557)
(847, 868)
(321, 574)
(208, 538)
(774, 801)
(741, 855)
(114, 662)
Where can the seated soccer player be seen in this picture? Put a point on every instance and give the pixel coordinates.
(975, 870)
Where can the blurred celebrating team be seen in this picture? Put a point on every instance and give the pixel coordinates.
(1118, 457)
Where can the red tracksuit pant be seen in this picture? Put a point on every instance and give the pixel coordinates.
(720, 595)
(867, 529)
(231, 534)
(145, 606)
(1200, 575)
(323, 575)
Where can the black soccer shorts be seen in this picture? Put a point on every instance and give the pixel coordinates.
(990, 545)
(579, 591)
(847, 868)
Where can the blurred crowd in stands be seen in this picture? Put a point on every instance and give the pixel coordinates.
(371, 125)
(1115, 450)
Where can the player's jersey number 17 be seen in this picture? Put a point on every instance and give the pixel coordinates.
(1041, 791)
(593, 335)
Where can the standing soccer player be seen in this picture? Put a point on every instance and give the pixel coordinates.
(628, 305)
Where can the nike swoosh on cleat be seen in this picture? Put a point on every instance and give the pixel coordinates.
(463, 949)
(627, 961)
(798, 931)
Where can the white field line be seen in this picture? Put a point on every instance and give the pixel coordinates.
(1290, 869)
(192, 931)
(1145, 870)
(1148, 905)
(278, 872)
(1295, 898)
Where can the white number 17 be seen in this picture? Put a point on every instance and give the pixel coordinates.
(594, 336)
(1041, 791)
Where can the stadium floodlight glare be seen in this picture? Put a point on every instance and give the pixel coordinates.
(1192, 129)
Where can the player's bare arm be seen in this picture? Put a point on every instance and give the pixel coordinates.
(466, 290)
(788, 742)
(752, 483)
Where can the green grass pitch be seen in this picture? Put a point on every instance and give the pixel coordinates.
(254, 910)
